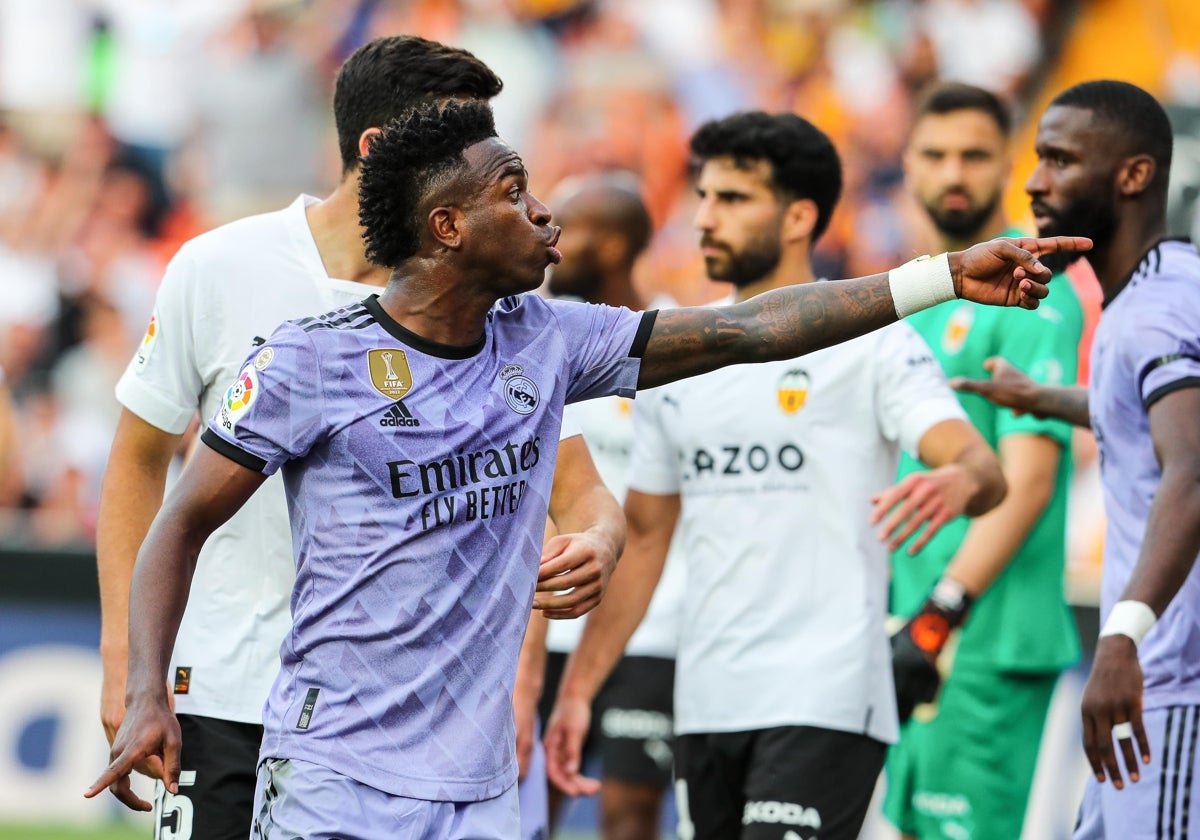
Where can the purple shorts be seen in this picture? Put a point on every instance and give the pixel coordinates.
(299, 799)
(1158, 807)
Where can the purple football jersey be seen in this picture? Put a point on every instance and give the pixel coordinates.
(418, 477)
(1147, 345)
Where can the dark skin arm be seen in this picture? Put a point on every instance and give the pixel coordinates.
(1114, 690)
(652, 521)
(130, 495)
(1010, 388)
(211, 489)
(589, 534)
(789, 322)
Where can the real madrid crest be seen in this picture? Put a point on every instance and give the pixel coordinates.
(792, 390)
(389, 372)
(520, 392)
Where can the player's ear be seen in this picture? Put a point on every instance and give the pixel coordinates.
(1135, 174)
(364, 141)
(799, 219)
(446, 226)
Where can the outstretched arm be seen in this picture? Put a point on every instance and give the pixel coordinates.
(1011, 388)
(792, 321)
(211, 489)
(1113, 694)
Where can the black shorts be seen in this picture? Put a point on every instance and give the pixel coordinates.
(216, 784)
(631, 718)
(771, 784)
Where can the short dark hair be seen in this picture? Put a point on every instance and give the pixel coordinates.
(1138, 120)
(388, 76)
(804, 163)
(408, 157)
(948, 97)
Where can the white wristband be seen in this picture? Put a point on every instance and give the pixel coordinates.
(1129, 618)
(921, 283)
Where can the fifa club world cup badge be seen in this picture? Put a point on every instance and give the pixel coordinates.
(520, 392)
(389, 372)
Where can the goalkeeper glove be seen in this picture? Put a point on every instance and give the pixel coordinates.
(915, 647)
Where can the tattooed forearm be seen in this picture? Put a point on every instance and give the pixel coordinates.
(779, 324)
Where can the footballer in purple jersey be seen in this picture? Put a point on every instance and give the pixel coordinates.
(1147, 346)
(1104, 154)
(407, 462)
(417, 545)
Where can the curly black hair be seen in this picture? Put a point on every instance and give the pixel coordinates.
(804, 163)
(408, 157)
(388, 76)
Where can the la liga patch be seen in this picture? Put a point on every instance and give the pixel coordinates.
(142, 356)
(239, 398)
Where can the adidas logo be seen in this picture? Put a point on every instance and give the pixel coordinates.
(399, 415)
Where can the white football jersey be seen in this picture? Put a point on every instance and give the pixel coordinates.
(607, 425)
(786, 587)
(224, 292)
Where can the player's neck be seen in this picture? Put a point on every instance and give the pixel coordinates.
(792, 271)
(1114, 259)
(436, 305)
(335, 229)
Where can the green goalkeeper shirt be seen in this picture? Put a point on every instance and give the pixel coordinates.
(1022, 623)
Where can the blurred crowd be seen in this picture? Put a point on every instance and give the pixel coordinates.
(128, 126)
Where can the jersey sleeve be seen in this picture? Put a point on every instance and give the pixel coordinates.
(162, 383)
(1163, 352)
(911, 390)
(1045, 344)
(653, 463)
(272, 412)
(605, 345)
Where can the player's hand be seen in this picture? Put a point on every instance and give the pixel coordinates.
(574, 574)
(149, 741)
(1113, 696)
(1008, 387)
(565, 734)
(925, 500)
(1007, 272)
(916, 676)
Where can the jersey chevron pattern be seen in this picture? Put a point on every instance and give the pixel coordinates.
(417, 478)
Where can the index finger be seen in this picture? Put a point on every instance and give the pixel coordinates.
(1055, 244)
(121, 766)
